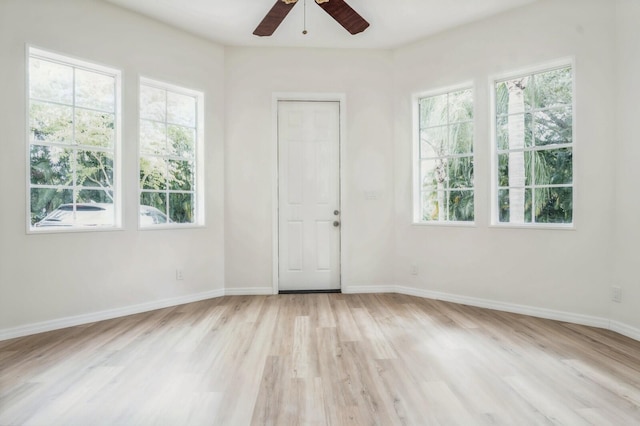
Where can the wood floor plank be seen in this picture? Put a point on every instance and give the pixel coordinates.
(267, 409)
(301, 348)
(321, 359)
(347, 327)
(326, 316)
(373, 336)
(443, 407)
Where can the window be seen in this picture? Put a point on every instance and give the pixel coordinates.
(74, 134)
(534, 148)
(170, 138)
(445, 187)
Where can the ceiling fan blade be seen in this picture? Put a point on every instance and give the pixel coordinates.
(344, 15)
(273, 19)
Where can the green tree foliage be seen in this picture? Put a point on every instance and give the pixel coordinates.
(67, 166)
(446, 147)
(548, 160)
(167, 141)
(72, 133)
(72, 130)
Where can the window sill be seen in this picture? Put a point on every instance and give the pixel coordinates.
(171, 227)
(71, 230)
(547, 226)
(445, 224)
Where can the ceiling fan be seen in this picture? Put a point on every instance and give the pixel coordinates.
(337, 9)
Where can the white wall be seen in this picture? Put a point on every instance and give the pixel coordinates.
(49, 277)
(628, 173)
(557, 270)
(252, 76)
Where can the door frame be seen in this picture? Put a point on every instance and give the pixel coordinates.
(341, 98)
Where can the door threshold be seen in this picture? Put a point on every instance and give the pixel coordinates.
(337, 290)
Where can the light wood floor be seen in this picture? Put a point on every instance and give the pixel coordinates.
(321, 359)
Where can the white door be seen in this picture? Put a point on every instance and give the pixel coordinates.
(309, 195)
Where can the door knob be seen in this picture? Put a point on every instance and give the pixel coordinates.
(336, 223)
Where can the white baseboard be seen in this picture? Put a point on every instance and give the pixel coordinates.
(56, 324)
(625, 330)
(357, 289)
(248, 291)
(41, 327)
(591, 321)
(509, 307)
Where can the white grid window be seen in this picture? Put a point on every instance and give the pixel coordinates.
(170, 139)
(534, 148)
(445, 187)
(74, 134)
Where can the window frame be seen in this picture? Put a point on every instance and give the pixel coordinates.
(416, 159)
(198, 160)
(32, 51)
(567, 62)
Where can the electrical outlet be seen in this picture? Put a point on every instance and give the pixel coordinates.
(414, 269)
(179, 275)
(616, 294)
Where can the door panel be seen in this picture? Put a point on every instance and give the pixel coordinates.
(295, 233)
(323, 245)
(309, 193)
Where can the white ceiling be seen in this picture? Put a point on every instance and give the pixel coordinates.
(393, 22)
